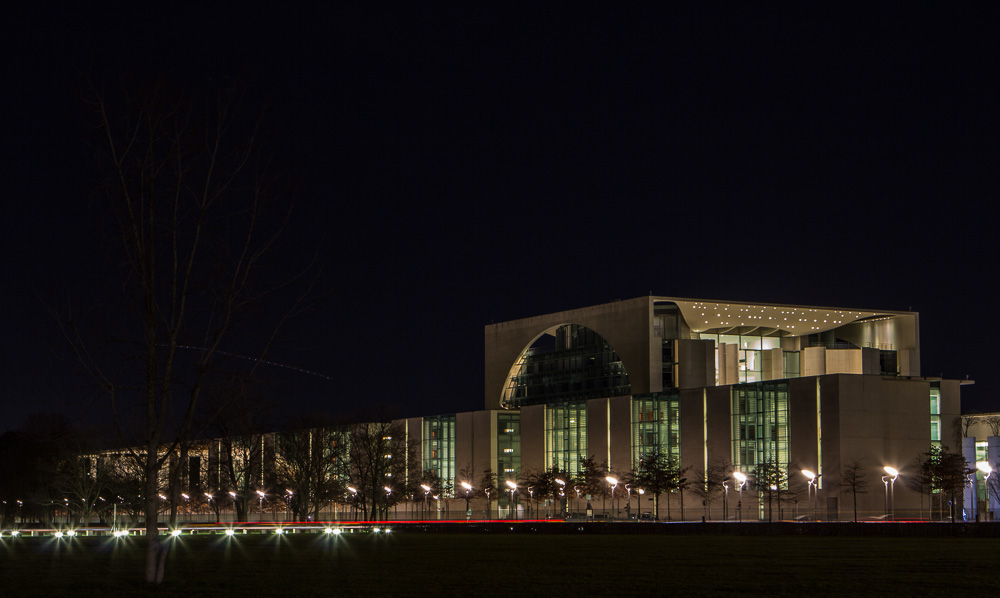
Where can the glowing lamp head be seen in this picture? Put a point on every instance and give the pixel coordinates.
(230, 532)
(467, 485)
(984, 467)
(175, 533)
(512, 484)
(740, 476)
(809, 474)
(612, 480)
(892, 471)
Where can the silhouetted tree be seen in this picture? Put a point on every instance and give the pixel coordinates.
(770, 479)
(658, 473)
(488, 487)
(854, 479)
(707, 484)
(313, 464)
(377, 457)
(196, 215)
(947, 472)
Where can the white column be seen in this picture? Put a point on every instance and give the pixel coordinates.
(969, 452)
(993, 457)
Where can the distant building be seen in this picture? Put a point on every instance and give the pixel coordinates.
(716, 384)
(726, 389)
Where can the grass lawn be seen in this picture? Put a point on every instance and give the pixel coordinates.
(489, 564)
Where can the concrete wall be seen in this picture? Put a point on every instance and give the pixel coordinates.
(880, 421)
(692, 412)
(620, 428)
(475, 443)
(626, 325)
(695, 363)
(812, 361)
(532, 438)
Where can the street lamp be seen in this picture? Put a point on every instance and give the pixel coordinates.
(809, 489)
(628, 501)
(742, 479)
(513, 506)
(261, 508)
(468, 497)
(725, 501)
(890, 487)
(288, 502)
(642, 492)
(562, 495)
(354, 500)
(613, 481)
(427, 490)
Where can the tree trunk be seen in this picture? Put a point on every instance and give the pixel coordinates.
(154, 572)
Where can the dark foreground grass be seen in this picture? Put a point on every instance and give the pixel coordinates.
(428, 564)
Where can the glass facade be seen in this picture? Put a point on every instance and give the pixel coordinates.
(750, 351)
(760, 424)
(439, 449)
(666, 318)
(935, 414)
(508, 447)
(580, 365)
(566, 435)
(656, 425)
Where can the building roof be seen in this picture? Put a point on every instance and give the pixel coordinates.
(716, 316)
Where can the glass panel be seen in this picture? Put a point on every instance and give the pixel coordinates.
(439, 449)
(566, 435)
(656, 425)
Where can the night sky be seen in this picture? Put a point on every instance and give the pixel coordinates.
(459, 169)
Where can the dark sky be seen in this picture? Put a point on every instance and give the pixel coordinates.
(463, 169)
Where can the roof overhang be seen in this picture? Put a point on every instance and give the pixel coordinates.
(770, 319)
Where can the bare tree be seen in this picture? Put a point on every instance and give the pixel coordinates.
(192, 201)
(993, 422)
(489, 488)
(312, 464)
(854, 478)
(378, 462)
(707, 484)
(658, 473)
(771, 479)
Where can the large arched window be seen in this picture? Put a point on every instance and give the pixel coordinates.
(568, 362)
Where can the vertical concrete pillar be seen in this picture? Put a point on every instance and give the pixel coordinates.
(970, 503)
(993, 456)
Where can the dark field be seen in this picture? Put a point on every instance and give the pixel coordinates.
(490, 564)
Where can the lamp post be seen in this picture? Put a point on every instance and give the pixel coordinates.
(388, 494)
(468, 497)
(613, 482)
(742, 479)
(725, 500)
(642, 493)
(562, 495)
(890, 485)
(512, 485)
(354, 500)
(261, 507)
(809, 489)
(984, 467)
(427, 491)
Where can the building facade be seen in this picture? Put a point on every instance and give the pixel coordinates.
(717, 385)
